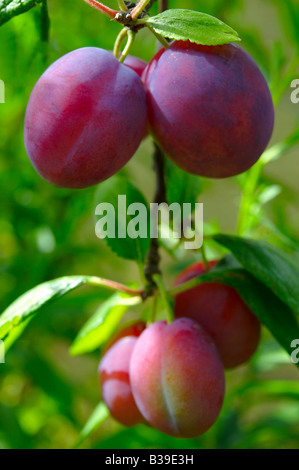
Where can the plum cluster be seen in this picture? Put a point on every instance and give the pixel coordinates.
(171, 376)
(208, 107)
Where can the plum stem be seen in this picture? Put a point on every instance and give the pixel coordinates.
(131, 37)
(118, 42)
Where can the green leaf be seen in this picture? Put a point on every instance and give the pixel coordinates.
(275, 269)
(101, 326)
(28, 304)
(278, 150)
(190, 25)
(11, 8)
(98, 416)
(272, 312)
(182, 187)
(118, 191)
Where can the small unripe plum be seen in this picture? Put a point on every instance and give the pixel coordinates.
(220, 310)
(85, 119)
(115, 382)
(177, 378)
(210, 107)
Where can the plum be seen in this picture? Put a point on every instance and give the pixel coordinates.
(220, 310)
(85, 119)
(210, 108)
(177, 378)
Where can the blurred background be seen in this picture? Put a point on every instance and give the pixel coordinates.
(46, 396)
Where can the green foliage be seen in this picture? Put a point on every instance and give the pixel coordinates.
(198, 27)
(99, 415)
(29, 303)
(46, 397)
(11, 8)
(182, 187)
(271, 311)
(127, 247)
(270, 265)
(102, 325)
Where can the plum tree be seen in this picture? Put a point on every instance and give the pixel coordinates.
(219, 309)
(210, 107)
(85, 118)
(115, 382)
(177, 378)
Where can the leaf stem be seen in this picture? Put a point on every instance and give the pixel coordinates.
(122, 5)
(102, 8)
(204, 258)
(139, 9)
(160, 38)
(113, 285)
(169, 312)
(183, 287)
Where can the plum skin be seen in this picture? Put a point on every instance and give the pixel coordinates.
(177, 378)
(210, 108)
(220, 310)
(115, 382)
(85, 119)
(136, 64)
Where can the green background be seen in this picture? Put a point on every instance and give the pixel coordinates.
(46, 396)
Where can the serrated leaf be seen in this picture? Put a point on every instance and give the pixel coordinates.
(181, 24)
(26, 305)
(11, 8)
(113, 191)
(101, 326)
(272, 312)
(98, 416)
(268, 264)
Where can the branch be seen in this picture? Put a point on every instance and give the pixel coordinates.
(153, 257)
